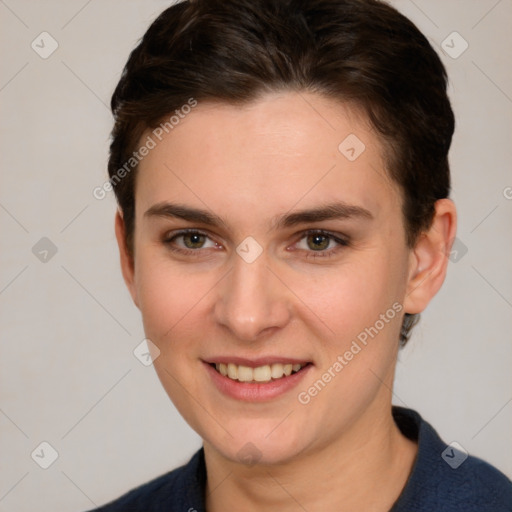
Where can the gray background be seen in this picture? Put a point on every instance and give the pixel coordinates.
(68, 373)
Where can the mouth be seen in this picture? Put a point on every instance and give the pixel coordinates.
(258, 374)
(256, 380)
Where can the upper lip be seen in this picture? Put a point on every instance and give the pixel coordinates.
(255, 362)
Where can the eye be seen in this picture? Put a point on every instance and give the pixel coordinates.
(320, 244)
(189, 241)
(193, 240)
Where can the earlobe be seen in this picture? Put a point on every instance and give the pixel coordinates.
(126, 259)
(429, 258)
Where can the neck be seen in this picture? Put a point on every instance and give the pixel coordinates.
(365, 468)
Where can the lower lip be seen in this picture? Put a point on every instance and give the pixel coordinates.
(256, 392)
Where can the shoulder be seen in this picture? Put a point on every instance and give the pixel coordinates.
(179, 489)
(479, 486)
(445, 478)
(474, 486)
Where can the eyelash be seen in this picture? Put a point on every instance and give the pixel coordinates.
(342, 242)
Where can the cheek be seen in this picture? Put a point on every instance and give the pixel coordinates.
(360, 304)
(353, 296)
(168, 299)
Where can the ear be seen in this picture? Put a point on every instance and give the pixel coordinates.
(428, 260)
(127, 262)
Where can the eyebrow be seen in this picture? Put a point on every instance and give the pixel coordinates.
(331, 211)
(187, 213)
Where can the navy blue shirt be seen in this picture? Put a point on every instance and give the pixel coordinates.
(443, 479)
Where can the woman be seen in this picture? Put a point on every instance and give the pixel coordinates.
(281, 170)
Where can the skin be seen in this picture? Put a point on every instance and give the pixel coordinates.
(250, 165)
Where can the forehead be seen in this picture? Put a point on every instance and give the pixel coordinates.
(279, 152)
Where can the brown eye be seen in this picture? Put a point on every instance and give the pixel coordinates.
(318, 242)
(193, 240)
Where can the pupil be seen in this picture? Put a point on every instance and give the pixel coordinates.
(194, 240)
(319, 241)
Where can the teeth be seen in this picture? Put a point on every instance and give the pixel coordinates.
(276, 371)
(262, 373)
(259, 374)
(233, 371)
(244, 374)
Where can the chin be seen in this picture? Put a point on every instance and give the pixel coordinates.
(254, 445)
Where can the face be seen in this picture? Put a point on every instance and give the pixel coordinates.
(262, 243)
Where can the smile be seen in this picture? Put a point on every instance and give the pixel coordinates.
(265, 373)
(256, 380)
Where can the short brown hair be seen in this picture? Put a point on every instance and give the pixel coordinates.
(359, 51)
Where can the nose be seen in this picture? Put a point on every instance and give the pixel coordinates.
(252, 301)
